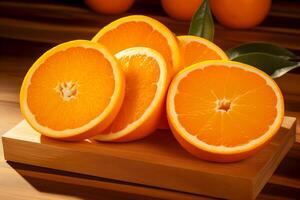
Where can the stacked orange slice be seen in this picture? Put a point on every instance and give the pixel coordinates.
(146, 86)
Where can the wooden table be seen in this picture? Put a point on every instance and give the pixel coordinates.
(28, 29)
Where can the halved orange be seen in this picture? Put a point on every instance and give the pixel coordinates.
(196, 49)
(223, 110)
(146, 86)
(72, 91)
(141, 31)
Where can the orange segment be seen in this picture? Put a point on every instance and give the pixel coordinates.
(140, 31)
(146, 86)
(223, 110)
(196, 49)
(72, 91)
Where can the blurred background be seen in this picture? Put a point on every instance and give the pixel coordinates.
(44, 23)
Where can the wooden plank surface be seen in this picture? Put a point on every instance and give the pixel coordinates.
(51, 184)
(35, 183)
(156, 161)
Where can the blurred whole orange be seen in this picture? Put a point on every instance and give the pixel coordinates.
(240, 14)
(109, 7)
(179, 9)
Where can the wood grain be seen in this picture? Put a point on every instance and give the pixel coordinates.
(157, 161)
(104, 184)
(33, 185)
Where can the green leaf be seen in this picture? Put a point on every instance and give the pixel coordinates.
(202, 23)
(273, 65)
(260, 47)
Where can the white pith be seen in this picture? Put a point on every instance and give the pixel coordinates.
(67, 90)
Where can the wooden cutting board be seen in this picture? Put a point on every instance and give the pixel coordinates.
(156, 161)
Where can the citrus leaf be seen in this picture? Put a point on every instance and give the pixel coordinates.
(202, 23)
(262, 47)
(273, 65)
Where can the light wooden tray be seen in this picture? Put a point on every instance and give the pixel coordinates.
(156, 161)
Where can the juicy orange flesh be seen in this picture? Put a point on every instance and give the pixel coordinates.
(134, 34)
(249, 101)
(93, 77)
(142, 74)
(194, 52)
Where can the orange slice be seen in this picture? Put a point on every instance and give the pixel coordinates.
(223, 110)
(143, 31)
(146, 86)
(72, 91)
(196, 49)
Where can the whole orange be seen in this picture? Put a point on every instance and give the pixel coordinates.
(240, 14)
(109, 7)
(182, 10)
